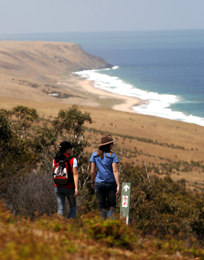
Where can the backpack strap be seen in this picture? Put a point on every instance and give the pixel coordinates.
(68, 164)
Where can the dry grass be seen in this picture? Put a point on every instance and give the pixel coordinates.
(152, 140)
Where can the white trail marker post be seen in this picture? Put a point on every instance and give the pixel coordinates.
(125, 200)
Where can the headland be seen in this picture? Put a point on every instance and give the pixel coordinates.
(42, 71)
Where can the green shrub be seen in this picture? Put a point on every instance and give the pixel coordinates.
(163, 206)
(112, 232)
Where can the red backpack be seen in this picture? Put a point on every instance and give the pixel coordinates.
(62, 171)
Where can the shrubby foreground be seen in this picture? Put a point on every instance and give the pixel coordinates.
(88, 238)
(165, 218)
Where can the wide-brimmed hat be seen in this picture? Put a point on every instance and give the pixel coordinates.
(65, 145)
(106, 139)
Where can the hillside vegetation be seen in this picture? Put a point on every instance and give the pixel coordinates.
(166, 219)
(90, 238)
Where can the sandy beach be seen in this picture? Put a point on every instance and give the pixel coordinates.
(126, 102)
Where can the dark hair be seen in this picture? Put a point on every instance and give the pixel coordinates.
(102, 149)
(59, 156)
(64, 146)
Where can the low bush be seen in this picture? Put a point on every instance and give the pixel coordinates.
(27, 194)
(89, 238)
(162, 206)
(112, 232)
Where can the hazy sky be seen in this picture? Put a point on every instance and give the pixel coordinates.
(33, 16)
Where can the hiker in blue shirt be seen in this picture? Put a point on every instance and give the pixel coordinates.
(105, 181)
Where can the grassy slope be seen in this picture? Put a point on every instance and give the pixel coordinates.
(155, 141)
(176, 145)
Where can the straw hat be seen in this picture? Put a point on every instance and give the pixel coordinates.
(106, 139)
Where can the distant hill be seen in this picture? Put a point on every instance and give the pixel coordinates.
(35, 58)
(25, 64)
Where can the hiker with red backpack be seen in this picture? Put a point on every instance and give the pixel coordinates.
(65, 178)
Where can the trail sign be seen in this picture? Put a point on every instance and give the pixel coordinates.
(125, 200)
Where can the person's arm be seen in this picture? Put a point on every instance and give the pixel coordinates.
(76, 180)
(93, 174)
(116, 175)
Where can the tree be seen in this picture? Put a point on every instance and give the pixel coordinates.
(5, 129)
(22, 119)
(70, 124)
(28, 147)
(28, 144)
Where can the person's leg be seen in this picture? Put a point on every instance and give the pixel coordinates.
(101, 196)
(111, 197)
(72, 203)
(60, 201)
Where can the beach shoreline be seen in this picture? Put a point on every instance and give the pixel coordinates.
(125, 103)
(159, 106)
(50, 72)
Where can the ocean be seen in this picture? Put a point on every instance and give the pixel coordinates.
(163, 68)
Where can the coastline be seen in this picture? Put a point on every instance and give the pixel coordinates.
(125, 103)
(159, 106)
(48, 75)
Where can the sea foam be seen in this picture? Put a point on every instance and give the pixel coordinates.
(155, 104)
